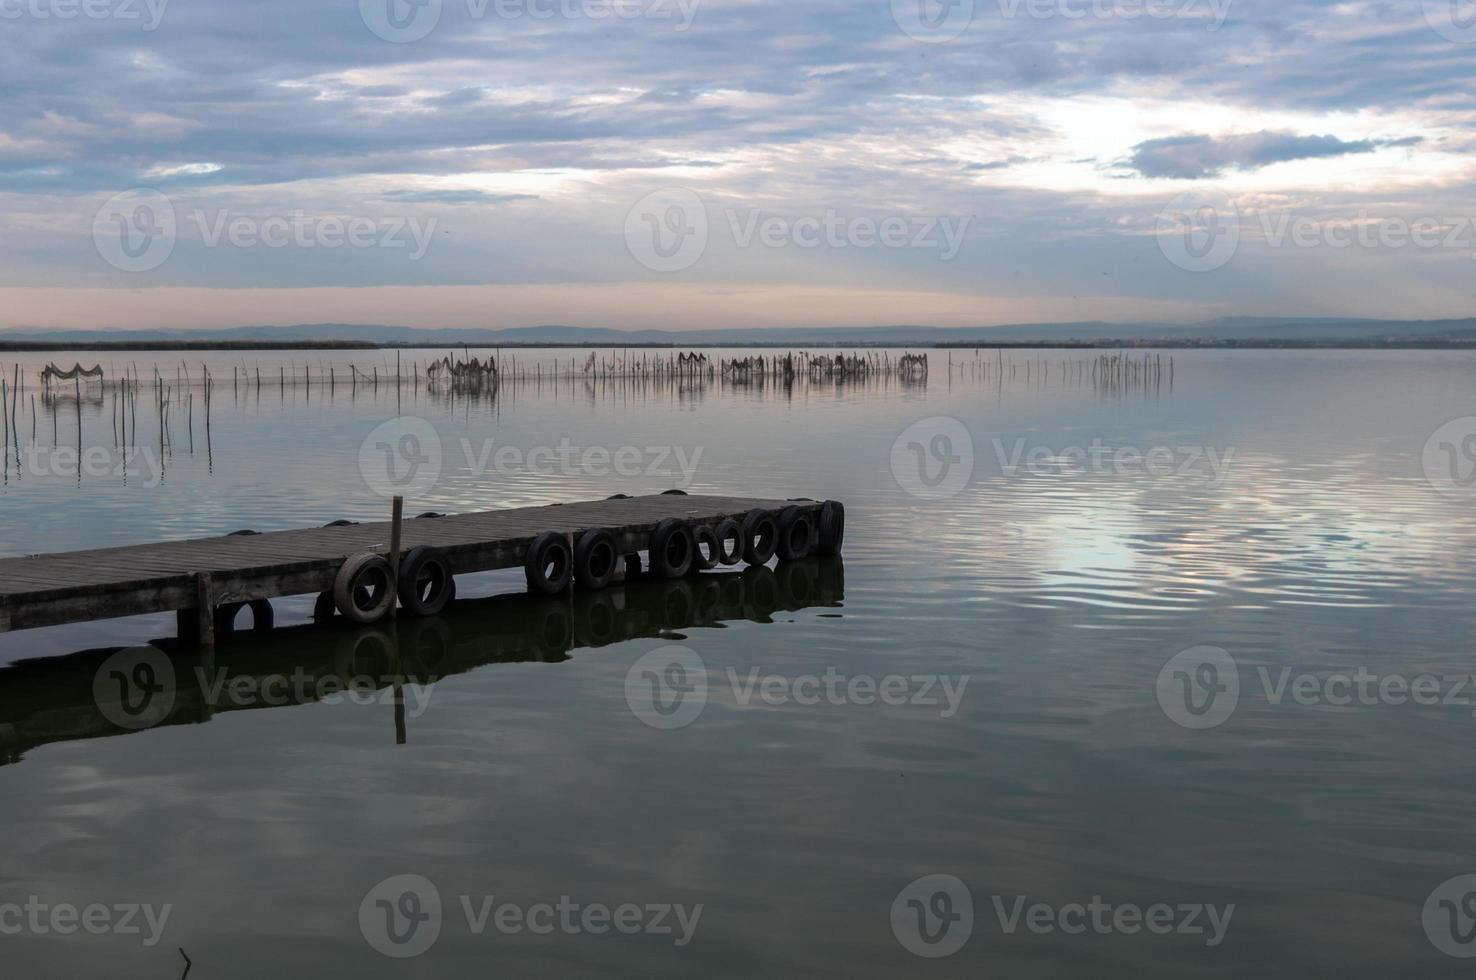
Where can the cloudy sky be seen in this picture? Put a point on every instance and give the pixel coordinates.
(722, 163)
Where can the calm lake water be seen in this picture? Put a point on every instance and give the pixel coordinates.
(1109, 661)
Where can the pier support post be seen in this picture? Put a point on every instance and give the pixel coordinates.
(204, 613)
(397, 517)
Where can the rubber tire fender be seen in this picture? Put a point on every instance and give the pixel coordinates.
(431, 563)
(796, 534)
(760, 537)
(672, 549)
(549, 548)
(596, 559)
(354, 576)
(832, 528)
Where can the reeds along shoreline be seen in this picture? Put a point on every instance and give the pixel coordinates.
(1108, 374)
(178, 400)
(466, 374)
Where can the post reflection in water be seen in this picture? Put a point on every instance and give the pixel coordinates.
(119, 691)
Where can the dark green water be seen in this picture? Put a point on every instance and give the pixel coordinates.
(1292, 519)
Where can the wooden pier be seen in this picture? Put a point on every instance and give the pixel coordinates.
(368, 572)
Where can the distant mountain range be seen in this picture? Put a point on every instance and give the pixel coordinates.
(1236, 331)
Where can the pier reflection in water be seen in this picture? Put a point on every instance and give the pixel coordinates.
(118, 691)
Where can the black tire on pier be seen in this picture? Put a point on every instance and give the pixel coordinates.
(730, 541)
(426, 585)
(340, 523)
(596, 559)
(673, 493)
(618, 496)
(364, 591)
(324, 608)
(796, 534)
(708, 551)
(672, 549)
(245, 533)
(832, 525)
(760, 537)
(263, 617)
(548, 565)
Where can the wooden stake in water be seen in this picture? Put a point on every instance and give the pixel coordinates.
(397, 514)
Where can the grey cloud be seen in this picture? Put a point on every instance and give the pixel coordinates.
(1193, 155)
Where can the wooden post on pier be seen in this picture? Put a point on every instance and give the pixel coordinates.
(204, 613)
(397, 515)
